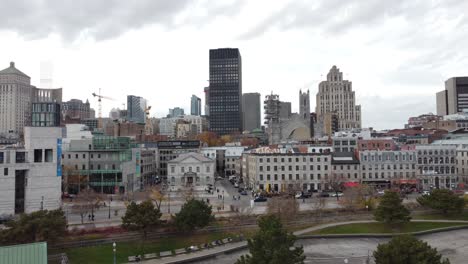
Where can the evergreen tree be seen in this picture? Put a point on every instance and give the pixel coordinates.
(193, 214)
(141, 217)
(272, 245)
(391, 211)
(443, 200)
(407, 250)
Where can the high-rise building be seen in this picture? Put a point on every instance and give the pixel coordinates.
(251, 111)
(176, 112)
(195, 105)
(285, 110)
(454, 99)
(207, 99)
(337, 95)
(76, 109)
(16, 98)
(136, 109)
(304, 105)
(225, 91)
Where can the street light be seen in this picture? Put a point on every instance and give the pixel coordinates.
(114, 245)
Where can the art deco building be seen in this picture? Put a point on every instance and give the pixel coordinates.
(337, 95)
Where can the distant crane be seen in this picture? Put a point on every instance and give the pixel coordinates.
(148, 125)
(100, 97)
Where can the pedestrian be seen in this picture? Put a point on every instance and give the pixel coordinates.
(92, 217)
(207, 200)
(238, 197)
(89, 217)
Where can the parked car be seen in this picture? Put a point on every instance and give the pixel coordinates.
(236, 185)
(260, 199)
(334, 194)
(303, 195)
(323, 194)
(381, 192)
(244, 192)
(426, 192)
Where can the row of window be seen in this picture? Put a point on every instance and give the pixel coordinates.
(297, 159)
(290, 168)
(182, 169)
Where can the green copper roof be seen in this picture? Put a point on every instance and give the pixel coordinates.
(35, 253)
(12, 70)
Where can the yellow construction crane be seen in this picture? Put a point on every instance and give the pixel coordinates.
(148, 125)
(100, 97)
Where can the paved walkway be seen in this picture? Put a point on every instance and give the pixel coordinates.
(239, 245)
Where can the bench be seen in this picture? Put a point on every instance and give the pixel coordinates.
(150, 256)
(180, 251)
(165, 254)
(131, 258)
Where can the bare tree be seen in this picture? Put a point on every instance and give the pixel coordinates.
(336, 183)
(285, 207)
(86, 202)
(318, 204)
(158, 195)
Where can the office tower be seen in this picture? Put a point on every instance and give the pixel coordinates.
(251, 111)
(195, 105)
(176, 112)
(454, 99)
(207, 100)
(225, 91)
(271, 105)
(76, 109)
(285, 110)
(136, 109)
(304, 105)
(16, 98)
(337, 95)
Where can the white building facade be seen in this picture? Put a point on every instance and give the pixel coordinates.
(191, 170)
(31, 175)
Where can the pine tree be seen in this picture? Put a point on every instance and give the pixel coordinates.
(391, 211)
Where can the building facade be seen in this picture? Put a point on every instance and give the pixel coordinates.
(195, 105)
(454, 99)
(285, 110)
(286, 172)
(169, 150)
(437, 166)
(251, 111)
(225, 91)
(337, 95)
(191, 170)
(136, 109)
(16, 98)
(106, 164)
(175, 112)
(31, 175)
(76, 109)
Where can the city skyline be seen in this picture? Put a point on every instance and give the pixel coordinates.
(395, 70)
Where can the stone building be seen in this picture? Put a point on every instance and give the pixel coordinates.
(16, 98)
(287, 172)
(337, 95)
(191, 170)
(437, 166)
(385, 168)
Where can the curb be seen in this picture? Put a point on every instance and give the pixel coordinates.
(389, 235)
(208, 256)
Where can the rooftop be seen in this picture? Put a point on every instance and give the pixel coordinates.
(13, 70)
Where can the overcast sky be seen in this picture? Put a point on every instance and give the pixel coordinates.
(397, 53)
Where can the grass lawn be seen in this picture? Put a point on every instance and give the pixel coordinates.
(438, 216)
(103, 253)
(367, 228)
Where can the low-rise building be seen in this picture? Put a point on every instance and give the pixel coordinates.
(346, 167)
(31, 174)
(388, 168)
(169, 150)
(462, 163)
(437, 166)
(376, 144)
(191, 170)
(287, 172)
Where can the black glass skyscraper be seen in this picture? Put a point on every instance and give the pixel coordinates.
(225, 91)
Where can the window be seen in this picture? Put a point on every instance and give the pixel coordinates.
(198, 169)
(91, 167)
(260, 168)
(84, 156)
(268, 168)
(113, 166)
(49, 155)
(38, 155)
(98, 156)
(261, 177)
(207, 168)
(99, 166)
(268, 159)
(182, 169)
(5, 171)
(268, 177)
(76, 156)
(92, 156)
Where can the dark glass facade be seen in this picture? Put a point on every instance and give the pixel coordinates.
(46, 114)
(225, 91)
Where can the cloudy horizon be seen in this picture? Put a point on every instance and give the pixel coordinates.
(396, 53)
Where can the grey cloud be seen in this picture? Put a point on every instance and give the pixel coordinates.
(393, 112)
(336, 16)
(100, 19)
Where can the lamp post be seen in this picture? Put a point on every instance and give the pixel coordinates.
(114, 245)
